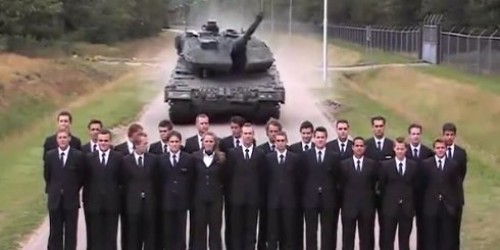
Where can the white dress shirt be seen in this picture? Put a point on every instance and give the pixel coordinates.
(130, 146)
(322, 154)
(177, 157)
(415, 147)
(65, 157)
(440, 159)
(92, 146)
(382, 140)
(279, 155)
(404, 165)
(356, 162)
(208, 159)
(137, 158)
(309, 145)
(250, 150)
(340, 145)
(106, 156)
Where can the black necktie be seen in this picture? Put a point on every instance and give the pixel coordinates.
(449, 152)
(201, 143)
(95, 148)
(165, 148)
(103, 160)
(174, 160)
(342, 147)
(415, 153)
(319, 157)
(141, 163)
(237, 143)
(282, 159)
(247, 154)
(62, 159)
(306, 147)
(358, 166)
(440, 165)
(379, 146)
(273, 147)
(400, 169)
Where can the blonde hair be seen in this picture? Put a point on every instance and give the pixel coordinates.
(221, 155)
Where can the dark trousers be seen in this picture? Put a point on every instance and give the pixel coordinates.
(391, 223)
(299, 232)
(262, 241)
(244, 227)
(141, 229)
(459, 225)
(123, 224)
(227, 223)
(328, 217)
(419, 219)
(87, 230)
(63, 229)
(174, 229)
(280, 229)
(440, 230)
(366, 226)
(103, 230)
(192, 226)
(208, 214)
(378, 204)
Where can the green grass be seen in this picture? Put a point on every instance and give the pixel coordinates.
(482, 185)
(373, 55)
(22, 201)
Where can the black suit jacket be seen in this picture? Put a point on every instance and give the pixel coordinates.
(192, 144)
(320, 178)
(102, 183)
(139, 180)
(460, 157)
(51, 143)
(246, 178)
(122, 148)
(373, 153)
(176, 183)
(424, 153)
(334, 145)
(396, 190)
(358, 189)
(446, 183)
(64, 181)
(282, 180)
(297, 147)
(227, 143)
(87, 149)
(209, 181)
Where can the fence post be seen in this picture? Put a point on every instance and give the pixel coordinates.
(490, 45)
(479, 51)
(368, 47)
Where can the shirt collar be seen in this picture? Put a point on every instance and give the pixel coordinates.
(106, 153)
(64, 151)
(309, 144)
(415, 147)
(437, 159)
(400, 161)
(358, 159)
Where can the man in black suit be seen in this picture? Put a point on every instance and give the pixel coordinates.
(458, 154)
(273, 126)
(64, 120)
(442, 199)
(358, 178)
(379, 148)
(418, 152)
(282, 188)
(101, 193)
(233, 141)
(194, 143)
(176, 180)
(140, 178)
(320, 192)
(63, 171)
(94, 126)
(306, 130)
(126, 148)
(247, 176)
(161, 146)
(398, 185)
(342, 145)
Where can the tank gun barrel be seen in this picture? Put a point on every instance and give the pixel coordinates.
(242, 41)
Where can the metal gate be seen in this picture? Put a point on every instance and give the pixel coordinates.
(431, 36)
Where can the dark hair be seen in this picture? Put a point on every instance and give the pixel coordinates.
(137, 137)
(358, 138)
(94, 121)
(134, 128)
(399, 139)
(238, 120)
(65, 113)
(306, 124)
(200, 116)
(174, 133)
(450, 127)
(166, 124)
(273, 122)
(282, 133)
(342, 121)
(414, 125)
(378, 118)
(321, 129)
(105, 131)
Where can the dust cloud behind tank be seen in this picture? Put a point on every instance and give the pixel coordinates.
(224, 73)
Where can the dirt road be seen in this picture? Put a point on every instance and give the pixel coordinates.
(291, 56)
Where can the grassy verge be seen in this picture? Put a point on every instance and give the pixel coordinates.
(402, 102)
(374, 55)
(22, 204)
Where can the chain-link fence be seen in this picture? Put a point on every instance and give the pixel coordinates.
(474, 50)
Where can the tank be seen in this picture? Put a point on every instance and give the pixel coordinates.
(224, 73)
